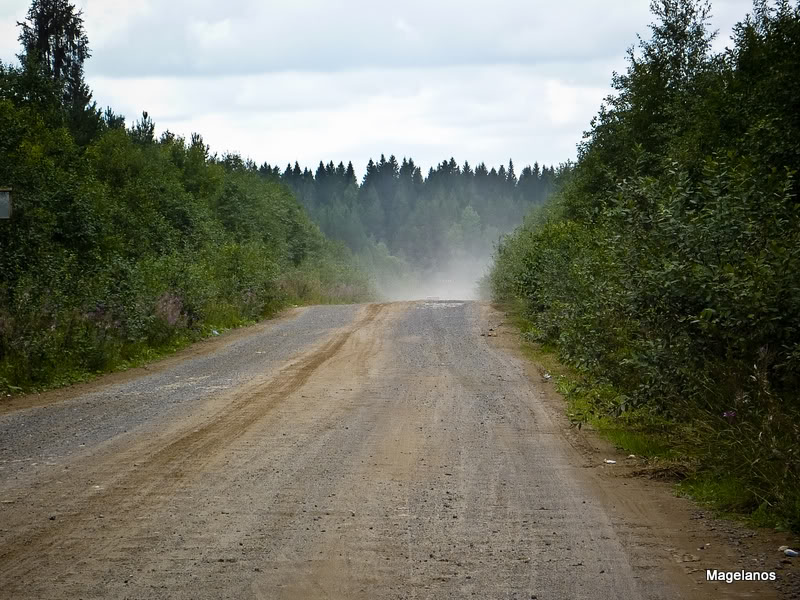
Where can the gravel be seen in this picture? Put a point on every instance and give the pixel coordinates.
(36, 436)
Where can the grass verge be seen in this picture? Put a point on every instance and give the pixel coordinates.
(119, 357)
(671, 450)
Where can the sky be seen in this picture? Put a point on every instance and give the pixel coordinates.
(312, 80)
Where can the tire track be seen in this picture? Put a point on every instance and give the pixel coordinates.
(158, 472)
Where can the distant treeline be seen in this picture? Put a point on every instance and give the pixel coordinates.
(121, 244)
(454, 211)
(668, 267)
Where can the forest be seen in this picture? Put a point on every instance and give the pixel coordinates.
(663, 266)
(666, 270)
(453, 212)
(418, 236)
(123, 246)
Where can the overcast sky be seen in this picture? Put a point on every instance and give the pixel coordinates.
(313, 80)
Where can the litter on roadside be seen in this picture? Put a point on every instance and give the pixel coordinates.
(608, 461)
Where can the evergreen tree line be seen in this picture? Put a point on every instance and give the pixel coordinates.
(454, 212)
(667, 268)
(121, 244)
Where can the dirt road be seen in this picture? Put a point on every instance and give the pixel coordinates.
(379, 451)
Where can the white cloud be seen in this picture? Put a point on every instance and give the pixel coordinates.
(9, 46)
(487, 114)
(401, 25)
(214, 35)
(110, 22)
(318, 79)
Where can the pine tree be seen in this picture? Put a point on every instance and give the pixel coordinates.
(321, 183)
(350, 175)
(393, 167)
(452, 167)
(53, 37)
(417, 177)
(370, 175)
(143, 131)
(405, 170)
(511, 176)
(111, 120)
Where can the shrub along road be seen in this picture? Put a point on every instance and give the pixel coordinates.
(378, 451)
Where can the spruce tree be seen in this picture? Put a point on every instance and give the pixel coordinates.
(370, 175)
(511, 176)
(350, 175)
(53, 36)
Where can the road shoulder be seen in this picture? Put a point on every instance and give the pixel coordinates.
(659, 528)
(197, 349)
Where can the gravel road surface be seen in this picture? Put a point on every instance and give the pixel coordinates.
(368, 452)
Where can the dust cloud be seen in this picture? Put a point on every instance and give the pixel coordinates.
(456, 279)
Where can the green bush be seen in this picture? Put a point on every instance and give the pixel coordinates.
(130, 245)
(672, 277)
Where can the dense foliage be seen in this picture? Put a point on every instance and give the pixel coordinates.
(454, 213)
(668, 267)
(120, 243)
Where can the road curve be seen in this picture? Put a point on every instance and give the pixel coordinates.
(378, 451)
